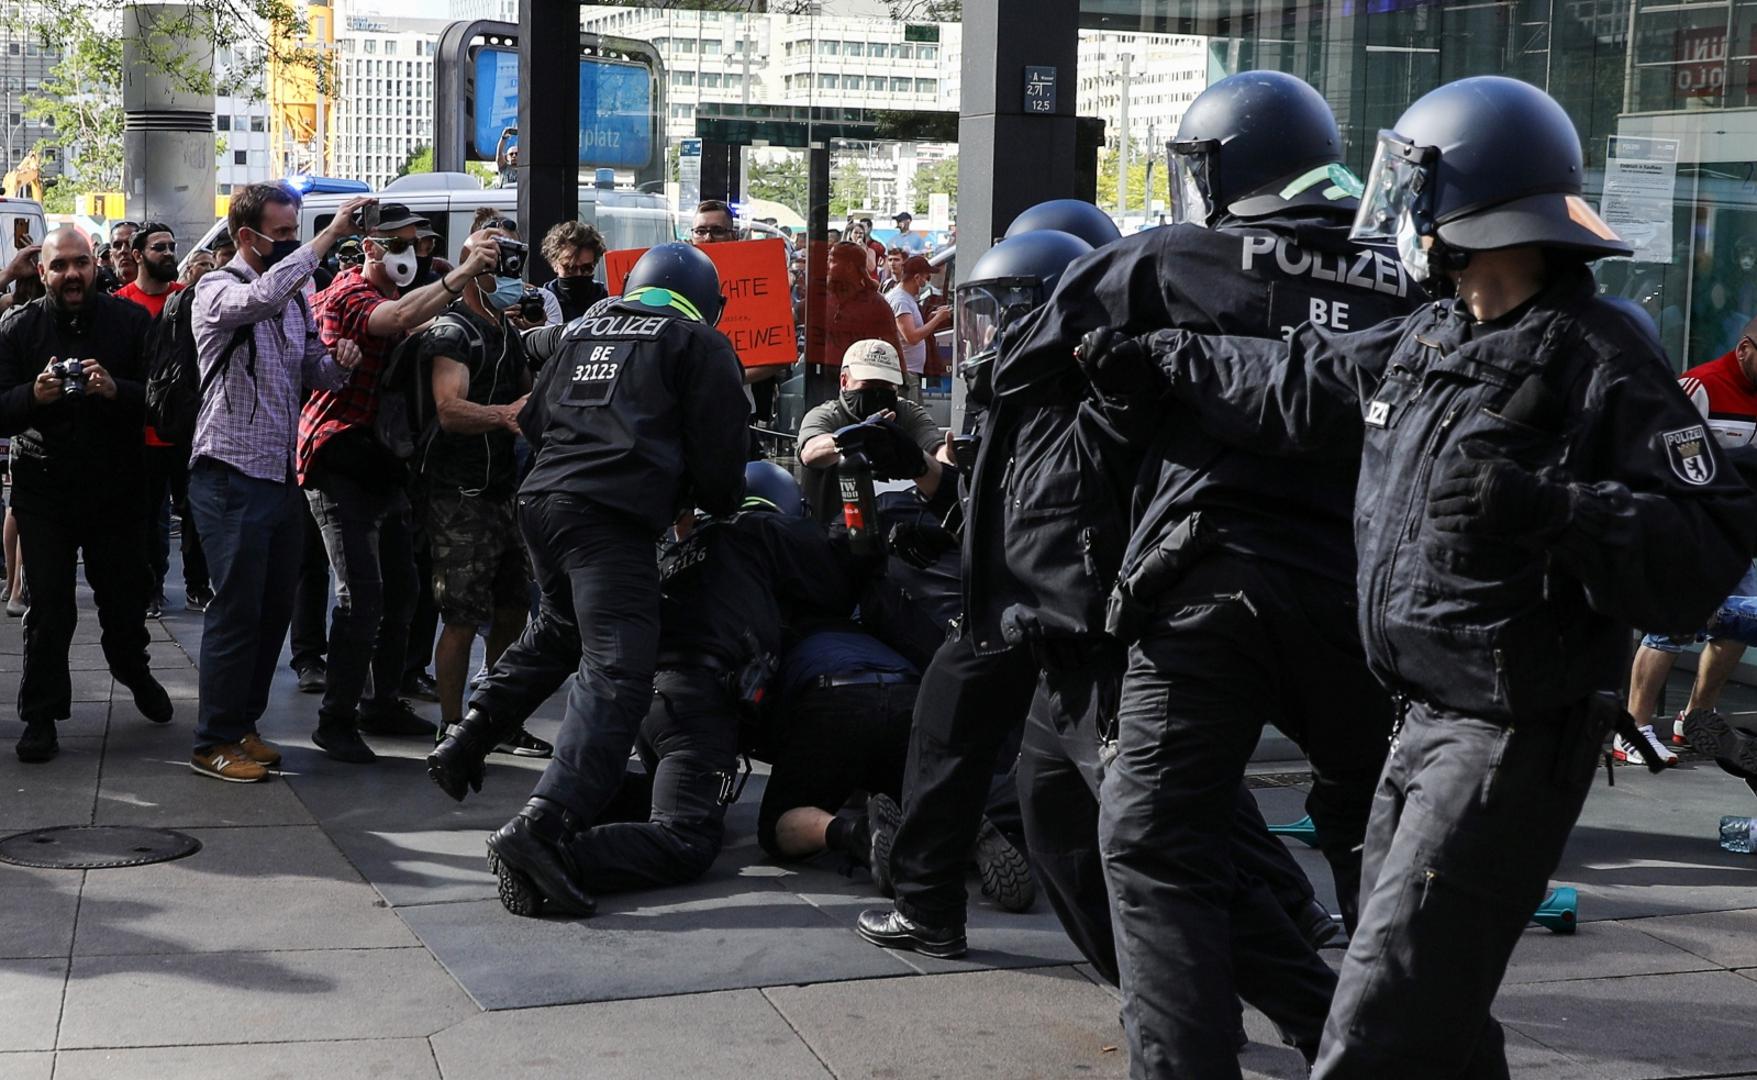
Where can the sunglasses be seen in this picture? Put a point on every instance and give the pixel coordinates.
(164, 247)
(396, 245)
(502, 223)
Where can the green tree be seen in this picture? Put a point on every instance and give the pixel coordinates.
(420, 160)
(782, 180)
(81, 97)
(1138, 198)
(935, 178)
(943, 11)
(848, 191)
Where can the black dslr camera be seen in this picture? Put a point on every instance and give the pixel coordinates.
(531, 307)
(512, 257)
(72, 375)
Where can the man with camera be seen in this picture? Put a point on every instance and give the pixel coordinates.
(73, 400)
(469, 479)
(357, 486)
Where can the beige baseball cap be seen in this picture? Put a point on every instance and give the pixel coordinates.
(873, 359)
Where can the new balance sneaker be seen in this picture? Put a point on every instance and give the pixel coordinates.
(259, 751)
(1006, 875)
(196, 600)
(155, 607)
(883, 815)
(1636, 755)
(889, 928)
(228, 762)
(1679, 738)
(524, 744)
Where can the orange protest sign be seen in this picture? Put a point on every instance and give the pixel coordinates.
(759, 302)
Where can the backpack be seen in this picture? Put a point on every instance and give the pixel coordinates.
(174, 384)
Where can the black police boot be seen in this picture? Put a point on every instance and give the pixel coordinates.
(883, 815)
(891, 929)
(339, 737)
(38, 743)
(529, 857)
(150, 698)
(1316, 924)
(1006, 875)
(456, 764)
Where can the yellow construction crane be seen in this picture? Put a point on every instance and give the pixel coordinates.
(26, 181)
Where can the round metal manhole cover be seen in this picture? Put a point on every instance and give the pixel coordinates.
(95, 847)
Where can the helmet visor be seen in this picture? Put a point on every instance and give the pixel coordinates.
(1193, 168)
(1398, 187)
(985, 309)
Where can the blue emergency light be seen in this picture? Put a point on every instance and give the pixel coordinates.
(326, 185)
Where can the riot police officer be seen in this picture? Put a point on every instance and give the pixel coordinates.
(729, 584)
(639, 416)
(977, 688)
(1528, 471)
(1260, 244)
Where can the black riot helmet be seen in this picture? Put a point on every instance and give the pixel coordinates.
(1012, 279)
(1255, 143)
(1072, 216)
(676, 278)
(767, 486)
(1480, 164)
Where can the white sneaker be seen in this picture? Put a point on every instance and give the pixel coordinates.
(1622, 751)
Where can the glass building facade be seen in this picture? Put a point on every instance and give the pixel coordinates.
(1664, 95)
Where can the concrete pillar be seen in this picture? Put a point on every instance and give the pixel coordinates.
(1009, 157)
(549, 123)
(167, 129)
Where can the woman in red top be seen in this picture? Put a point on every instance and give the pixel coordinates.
(854, 312)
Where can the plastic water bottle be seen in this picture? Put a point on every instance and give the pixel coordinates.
(1738, 834)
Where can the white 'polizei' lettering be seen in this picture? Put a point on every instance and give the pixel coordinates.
(1365, 269)
(622, 326)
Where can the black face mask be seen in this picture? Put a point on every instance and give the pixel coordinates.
(574, 288)
(423, 266)
(277, 250)
(869, 400)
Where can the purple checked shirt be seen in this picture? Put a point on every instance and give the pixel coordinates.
(251, 424)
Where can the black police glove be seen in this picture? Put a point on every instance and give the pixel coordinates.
(921, 546)
(1117, 365)
(891, 453)
(1481, 494)
(907, 454)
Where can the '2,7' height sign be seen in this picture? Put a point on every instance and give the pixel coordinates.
(1039, 89)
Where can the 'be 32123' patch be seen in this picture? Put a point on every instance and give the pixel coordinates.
(1687, 451)
(595, 369)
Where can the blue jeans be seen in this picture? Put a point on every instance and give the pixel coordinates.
(252, 534)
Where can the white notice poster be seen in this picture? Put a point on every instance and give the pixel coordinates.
(1640, 179)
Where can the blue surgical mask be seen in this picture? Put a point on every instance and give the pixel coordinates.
(507, 291)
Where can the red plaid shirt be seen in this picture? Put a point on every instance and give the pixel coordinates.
(341, 312)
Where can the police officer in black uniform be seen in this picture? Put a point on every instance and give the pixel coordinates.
(1528, 471)
(729, 584)
(1259, 246)
(977, 689)
(1052, 477)
(639, 416)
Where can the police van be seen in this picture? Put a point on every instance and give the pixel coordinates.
(449, 201)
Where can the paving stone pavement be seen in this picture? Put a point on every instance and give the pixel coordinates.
(339, 921)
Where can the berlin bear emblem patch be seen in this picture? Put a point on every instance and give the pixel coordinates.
(1687, 450)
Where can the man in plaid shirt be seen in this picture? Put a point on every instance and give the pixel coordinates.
(357, 488)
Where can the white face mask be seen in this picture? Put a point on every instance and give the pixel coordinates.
(1410, 252)
(401, 268)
